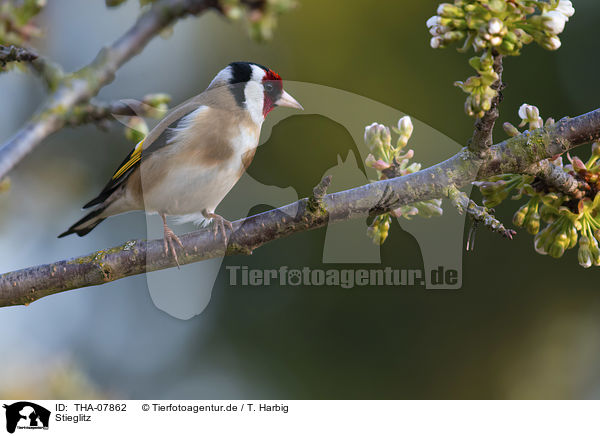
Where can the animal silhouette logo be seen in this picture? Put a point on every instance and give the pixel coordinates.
(26, 415)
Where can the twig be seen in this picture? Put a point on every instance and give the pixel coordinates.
(484, 126)
(479, 214)
(95, 112)
(315, 203)
(15, 54)
(84, 84)
(514, 155)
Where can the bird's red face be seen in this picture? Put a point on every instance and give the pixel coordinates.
(274, 95)
(273, 86)
(258, 89)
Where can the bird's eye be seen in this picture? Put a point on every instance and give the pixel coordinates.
(268, 86)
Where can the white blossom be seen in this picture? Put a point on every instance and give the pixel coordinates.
(530, 114)
(566, 8)
(554, 21)
(495, 26)
(433, 21)
(523, 111)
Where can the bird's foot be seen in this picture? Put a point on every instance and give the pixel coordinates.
(169, 241)
(219, 223)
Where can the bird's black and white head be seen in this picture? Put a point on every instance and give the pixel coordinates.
(255, 88)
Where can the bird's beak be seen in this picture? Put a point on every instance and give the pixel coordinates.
(288, 101)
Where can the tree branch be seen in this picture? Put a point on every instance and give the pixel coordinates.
(96, 112)
(82, 85)
(50, 72)
(514, 155)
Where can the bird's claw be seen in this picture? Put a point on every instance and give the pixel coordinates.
(219, 223)
(169, 241)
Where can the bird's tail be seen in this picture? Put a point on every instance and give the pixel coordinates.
(87, 223)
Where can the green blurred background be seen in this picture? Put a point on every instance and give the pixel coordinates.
(522, 326)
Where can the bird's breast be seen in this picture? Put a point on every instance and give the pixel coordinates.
(201, 182)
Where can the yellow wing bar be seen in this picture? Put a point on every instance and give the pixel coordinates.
(134, 158)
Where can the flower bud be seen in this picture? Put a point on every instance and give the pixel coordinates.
(397, 213)
(450, 10)
(408, 155)
(377, 136)
(430, 208)
(371, 134)
(510, 129)
(386, 136)
(557, 249)
(495, 26)
(542, 242)
(554, 22)
(596, 149)
(436, 42)
(479, 43)
(380, 165)
(413, 168)
(455, 35)
(512, 36)
(578, 164)
(552, 43)
(405, 126)
(405, 129)
(532, 223)
(595, 251)
(507, 46)
(584, 255)
(520, 214)
(573, 236)
(496, 41)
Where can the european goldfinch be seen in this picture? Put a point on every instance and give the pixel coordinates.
(194, 156)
